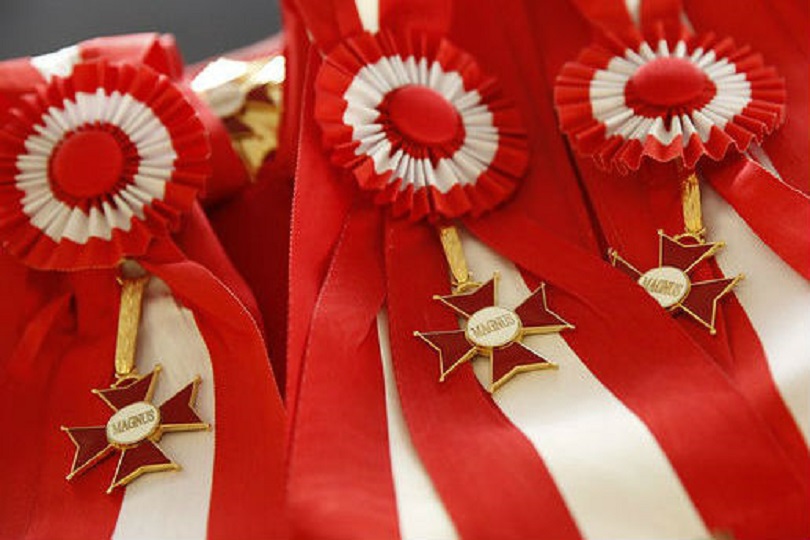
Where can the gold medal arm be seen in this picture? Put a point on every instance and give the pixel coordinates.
(692, 213)
(133, 282)
(454, 253)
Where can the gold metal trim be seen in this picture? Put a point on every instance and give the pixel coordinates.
(454, 253)
(692, 213)
(129, 318)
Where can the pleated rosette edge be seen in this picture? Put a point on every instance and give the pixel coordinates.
(665, 99)
(95, 165)
(415, 120)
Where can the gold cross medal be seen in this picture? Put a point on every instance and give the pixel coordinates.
(432, 148)
(490, 331)
(670, 282)
(680, 98)
(106, 159)
(135, 424)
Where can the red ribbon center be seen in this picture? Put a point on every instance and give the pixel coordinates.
(87, 163)
(669, 82)
(423, 115)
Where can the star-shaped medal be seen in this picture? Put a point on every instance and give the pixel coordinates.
(135, 428)
(669, 282)
(494, 332)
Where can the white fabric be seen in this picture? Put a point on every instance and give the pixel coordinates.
(421, 512)
(607, 97)
(58, 63)
(634, 9)
(156, 165)
(775, 298)
(368, 89)
(369, 12)
(611, 472)
(173, 505)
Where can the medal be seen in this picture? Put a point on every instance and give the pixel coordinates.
(490, 331)
(624, 102)
(418, 123)
(248, 98)
(670, 283)
(136, 423)
(96, 167)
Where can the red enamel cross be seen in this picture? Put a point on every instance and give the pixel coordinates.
(669, 282)
(494, 332)
(135, 428)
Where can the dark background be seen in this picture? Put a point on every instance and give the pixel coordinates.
(203, 28)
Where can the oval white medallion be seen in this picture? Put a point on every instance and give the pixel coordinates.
(668, 285)
(493, 326)
(133, 423)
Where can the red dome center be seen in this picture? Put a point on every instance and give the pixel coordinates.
(88, 163)
(423, 115)
(669, 82)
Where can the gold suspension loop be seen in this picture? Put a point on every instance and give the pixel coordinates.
(133, 283)
(454, 253)
(692, 213)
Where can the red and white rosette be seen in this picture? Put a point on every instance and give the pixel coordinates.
(416, 120)
(671, 100)
(95, 165)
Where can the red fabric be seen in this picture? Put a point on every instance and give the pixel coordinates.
(421, 15)
(340, 476)
(661, 13)
(57, 321)
(624, 348)
(654, 196)
(778, 30)
(319, 193)
(438, 123)
(656, 203)
(49, 380)
(17, 77)
(315, 173)
(329, 21)
(556, 41)
(338, 452)
(202, 246)
(296, 51)
(12, 320)
(609, 15)
(320, 205)
(488, 454)
(405, 189)
(263, 259)
(731, 435)
(188, 172)
(228, 172)
(246, 396)
(158, 51)
(550, 191)
(46, 384)
(759, 197)
(688, 90)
